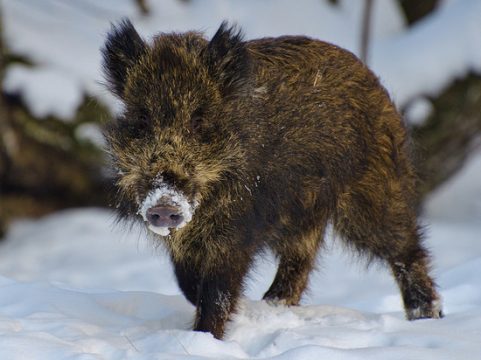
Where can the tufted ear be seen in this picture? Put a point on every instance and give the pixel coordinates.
(228, 60)
(122, 49)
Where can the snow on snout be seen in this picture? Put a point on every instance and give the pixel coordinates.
(171, 196)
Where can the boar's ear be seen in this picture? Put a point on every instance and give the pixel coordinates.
(122, 49)
(228, 60)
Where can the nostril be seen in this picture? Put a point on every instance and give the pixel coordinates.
(175, 217)
(155, 216)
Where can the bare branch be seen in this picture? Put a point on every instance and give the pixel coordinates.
(365, 31)
(142, 5)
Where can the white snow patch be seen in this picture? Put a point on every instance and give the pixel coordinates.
(45, 90)
(162, 231)
(90, 132)
(418, 111)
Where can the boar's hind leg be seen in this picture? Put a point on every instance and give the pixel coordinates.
(417, 288)
(297, 258)
(219, 292)
(381, 225)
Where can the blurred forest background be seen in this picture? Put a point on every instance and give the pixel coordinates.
(51, 154)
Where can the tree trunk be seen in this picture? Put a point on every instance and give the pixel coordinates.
(450, 134)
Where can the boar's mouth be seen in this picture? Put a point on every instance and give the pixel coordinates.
(166, 208)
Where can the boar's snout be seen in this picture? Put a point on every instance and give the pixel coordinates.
(164, 216)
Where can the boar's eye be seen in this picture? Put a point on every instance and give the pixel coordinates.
(143, 121)
(136, 126)
(201, 130)
(196, 121)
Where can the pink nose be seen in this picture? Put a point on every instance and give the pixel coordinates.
(164, 216)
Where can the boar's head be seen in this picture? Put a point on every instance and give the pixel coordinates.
(173, 143)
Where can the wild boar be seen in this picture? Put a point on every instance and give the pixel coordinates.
(228, 147)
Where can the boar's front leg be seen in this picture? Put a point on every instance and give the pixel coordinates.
(219, 292)
(188, 280)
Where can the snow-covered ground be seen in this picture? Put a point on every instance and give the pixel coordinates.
(74, 286)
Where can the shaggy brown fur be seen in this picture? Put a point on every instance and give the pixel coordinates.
(273, 138)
